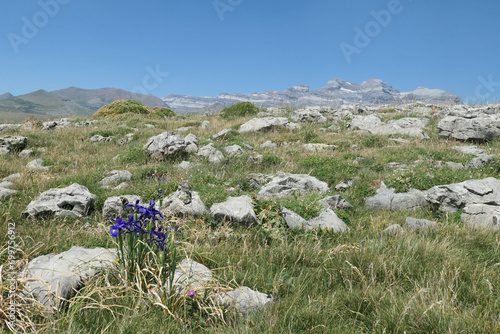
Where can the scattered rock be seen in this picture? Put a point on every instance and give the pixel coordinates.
(409, 126)
(184, 202)
(223, 134)
(318, 147)
(99, 139)
(331, 128)
(72, 201)
(387, 198)
(399, 140)
(204, 124)
(85, 123)
(481, 215)
(125, 140)
(474, 150)
(216, 158)
(13, 143)
(6, 127)
(207, 150)
(234, 150)
(268, 144)
(244, 300)
(184, 165)
(53, 278)
(12, 177)
(150, 126)
(26, 153)
(394, 228)
(484, 127)
(326, 220)
(335, 202)
(266, 124)
(258, 180)
(414, 223)
(114, 178)
(37, 164)
(115, 206)
(235, 209)
(5, 190)
(183, 129)
(453, 197)
(62, 123)
(285, 184)
(256, 158)
(346, 185)
(165, 144)
(308, 115)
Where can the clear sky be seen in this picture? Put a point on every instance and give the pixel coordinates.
(207, 47)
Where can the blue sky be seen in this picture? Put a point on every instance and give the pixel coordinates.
(206, 47)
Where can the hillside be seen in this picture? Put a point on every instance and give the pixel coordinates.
(356, 219)
(70, 101)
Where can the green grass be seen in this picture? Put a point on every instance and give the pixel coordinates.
(444, 280)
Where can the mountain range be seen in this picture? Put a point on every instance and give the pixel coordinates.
(336, 92)
(73, 100)
(70, 101)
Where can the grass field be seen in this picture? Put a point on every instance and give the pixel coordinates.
(443, 280)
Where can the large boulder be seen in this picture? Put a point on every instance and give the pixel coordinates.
(53, 278)
(409, 126)
(184, 202)
(453, 197)
(285, 184)
(72, 201)
(484, 127)
(266, 123)
(387, 198)
(235, 209)
(166, 144)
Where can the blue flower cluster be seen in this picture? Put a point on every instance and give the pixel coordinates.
(142, 223)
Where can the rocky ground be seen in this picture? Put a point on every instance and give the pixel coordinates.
(348, 183)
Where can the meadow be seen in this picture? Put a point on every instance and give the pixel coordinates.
(442, 280)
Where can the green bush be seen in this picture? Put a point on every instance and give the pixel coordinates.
(121, 107)
(240, 109)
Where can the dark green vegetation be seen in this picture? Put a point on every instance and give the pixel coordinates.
(131, 107)
(240, 109)
(436, 281)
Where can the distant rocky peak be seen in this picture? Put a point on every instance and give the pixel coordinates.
(299, 89)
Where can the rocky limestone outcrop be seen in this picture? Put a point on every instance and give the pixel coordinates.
(184, 202)
(165, 144)
(285, 184)
(235, 209)
(266, 124)
(72, 201)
